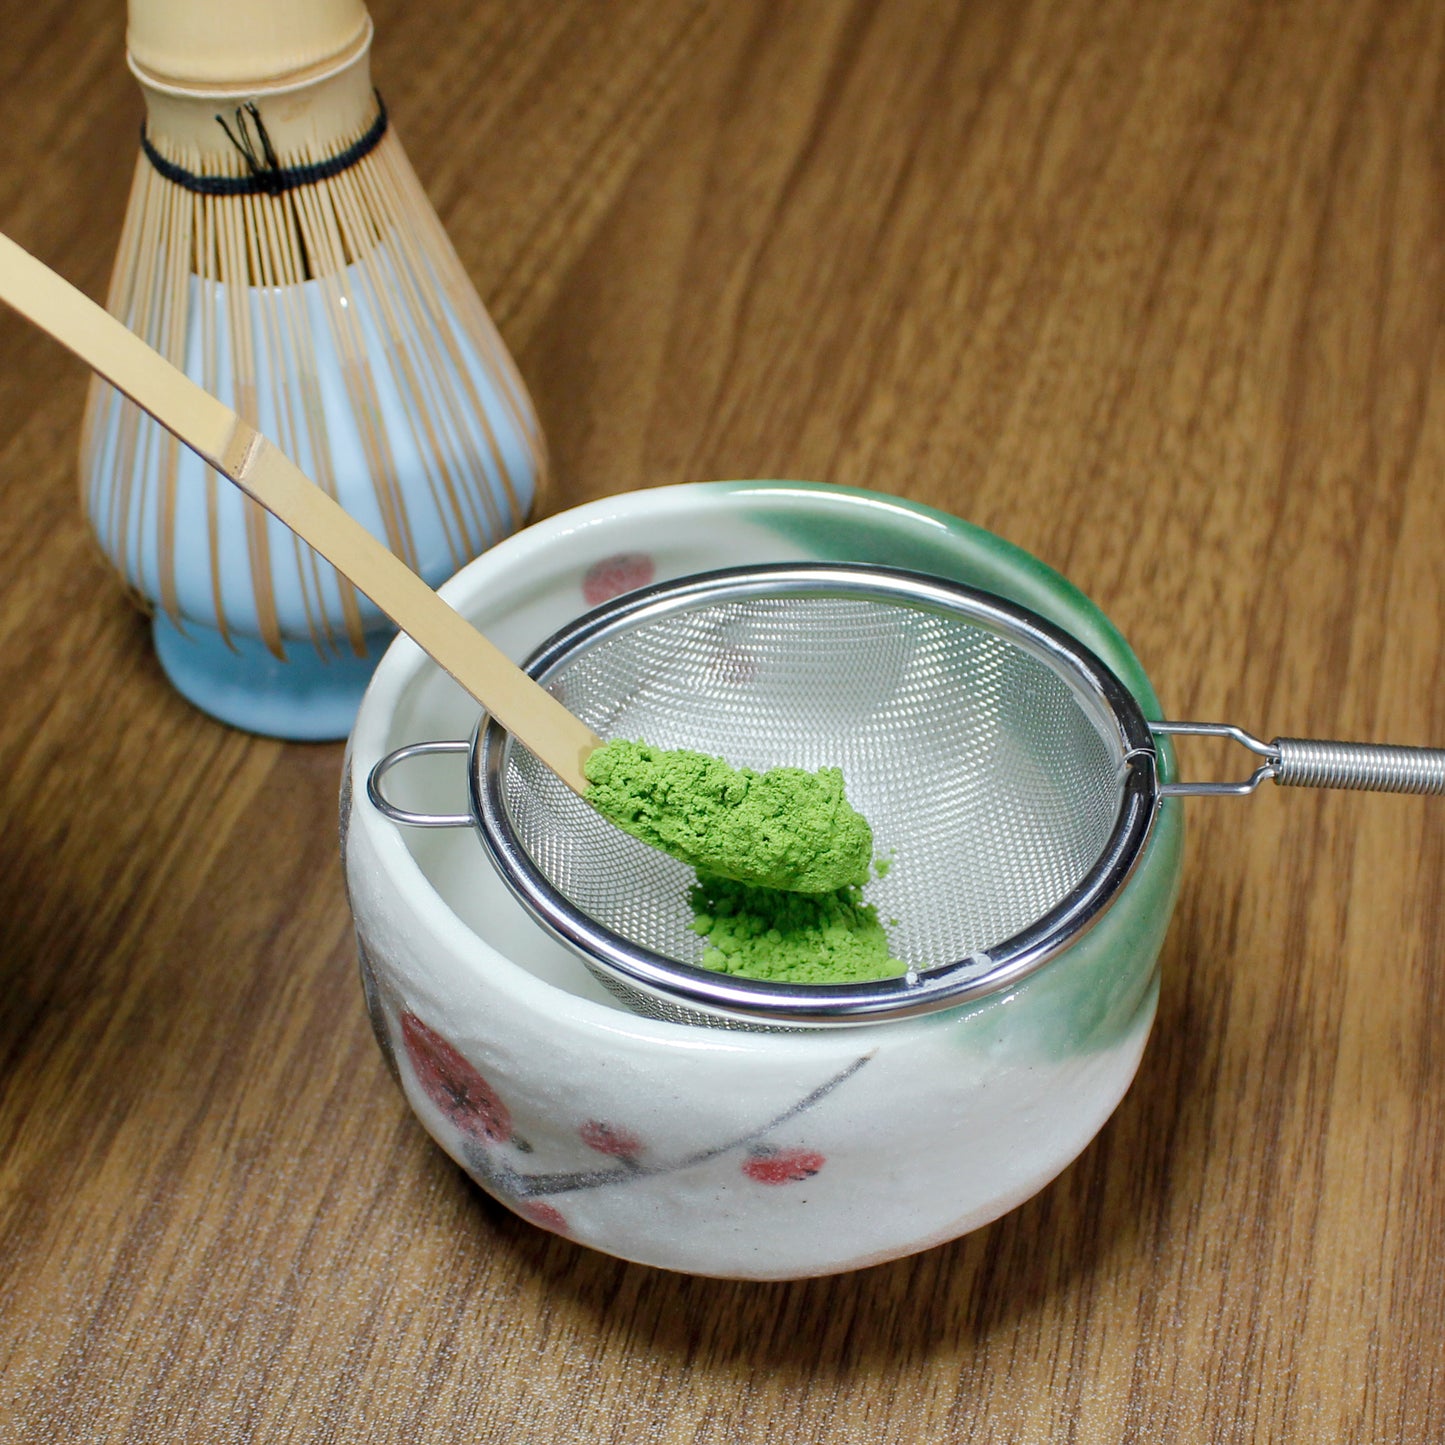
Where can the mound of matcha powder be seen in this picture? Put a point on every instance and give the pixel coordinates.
(790, 937)
(785, 829)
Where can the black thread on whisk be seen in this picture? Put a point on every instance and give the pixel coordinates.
(259, 154)
(267, 176)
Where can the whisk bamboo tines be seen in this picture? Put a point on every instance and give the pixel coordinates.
(279, 248)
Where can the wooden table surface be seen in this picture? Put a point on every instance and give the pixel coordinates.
(1156, 291)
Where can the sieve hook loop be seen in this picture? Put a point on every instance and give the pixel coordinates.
(388, 809)
(1268, 751)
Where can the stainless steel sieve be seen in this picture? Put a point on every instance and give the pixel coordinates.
(1010, 778)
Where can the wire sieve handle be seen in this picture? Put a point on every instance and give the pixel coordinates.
(388, 809)
(1316, 763)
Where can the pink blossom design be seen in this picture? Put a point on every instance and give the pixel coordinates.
(542, 1214)
(609, 1139)
(474, 1108)
(453, 1085)
(614, 575)
(782, 1166)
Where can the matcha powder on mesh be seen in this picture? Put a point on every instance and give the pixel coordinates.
(786, 828)
(781, 858)
(790, 937)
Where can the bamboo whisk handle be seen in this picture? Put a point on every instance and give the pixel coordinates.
(211, 429)
(202, 44)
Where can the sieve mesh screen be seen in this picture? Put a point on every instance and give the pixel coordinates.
(992, 786)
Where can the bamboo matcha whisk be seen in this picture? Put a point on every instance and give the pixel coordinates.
(279, 248)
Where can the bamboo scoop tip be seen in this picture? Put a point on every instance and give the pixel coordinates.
(579, 782)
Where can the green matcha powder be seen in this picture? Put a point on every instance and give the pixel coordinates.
(790, 937)
(781, 858)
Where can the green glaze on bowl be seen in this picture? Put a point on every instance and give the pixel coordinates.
(848, 524)
(1083, 1000)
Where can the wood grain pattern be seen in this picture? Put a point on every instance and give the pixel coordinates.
(1156, 291)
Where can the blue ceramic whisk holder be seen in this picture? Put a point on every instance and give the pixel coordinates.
(279, 249)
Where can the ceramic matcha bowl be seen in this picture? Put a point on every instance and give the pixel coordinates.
(743, 1154)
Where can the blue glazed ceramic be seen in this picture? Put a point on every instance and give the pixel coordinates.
(416, 421)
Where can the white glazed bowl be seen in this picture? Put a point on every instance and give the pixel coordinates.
(741, 1154)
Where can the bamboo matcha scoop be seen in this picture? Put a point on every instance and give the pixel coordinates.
(693, 812)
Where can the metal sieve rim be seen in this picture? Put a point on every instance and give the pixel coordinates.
(1110, 704)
